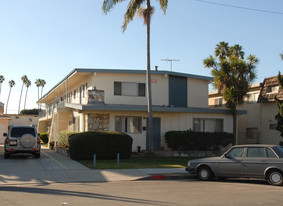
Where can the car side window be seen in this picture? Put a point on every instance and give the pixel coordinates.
(270, 153)
(256, 152)
(236, 152)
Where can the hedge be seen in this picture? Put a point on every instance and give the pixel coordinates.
(104, 144)
(63, 138)
(197, 141)
(44, 137)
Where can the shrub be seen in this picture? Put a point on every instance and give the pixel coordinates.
(104, 144)
(193, 141)
(44, 137)
(63, 138)
(51, 145)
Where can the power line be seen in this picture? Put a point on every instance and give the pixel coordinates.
(241, 7)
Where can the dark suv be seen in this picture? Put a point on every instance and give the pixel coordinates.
(22, 139)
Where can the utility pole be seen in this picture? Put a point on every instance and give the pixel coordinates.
(170, 60)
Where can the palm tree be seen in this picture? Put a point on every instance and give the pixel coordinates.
(42, 84)
(232, 75)
(37, 83)
(12, 84)
(24, 79)
(1, 81)
(28, 83)
(134, 6)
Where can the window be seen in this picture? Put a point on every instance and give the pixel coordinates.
(208, 125)
(75, 92)
(270, 153)
(256, 152)
(218, 102)
(129, 89)
(131, 125)
(252, 97)
(236, 152)
(272, 89)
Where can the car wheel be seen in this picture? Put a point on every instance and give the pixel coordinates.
(7, 155)
(205, 173)
(37, 155)
(275, 177)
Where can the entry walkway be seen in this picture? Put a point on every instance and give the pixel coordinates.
(53, 167)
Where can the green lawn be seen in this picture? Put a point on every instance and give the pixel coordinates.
(135, 163)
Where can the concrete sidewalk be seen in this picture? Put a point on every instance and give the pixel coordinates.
(53, 167)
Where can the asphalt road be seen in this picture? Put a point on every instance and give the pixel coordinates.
(163, 193)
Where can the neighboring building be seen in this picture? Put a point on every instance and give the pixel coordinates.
(258, 125)
(101, 99)
(3, 123)
(23, 119)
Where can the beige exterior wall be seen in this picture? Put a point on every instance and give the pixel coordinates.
(25, 120)
(197, 93)
(3, 129)
(269, 136)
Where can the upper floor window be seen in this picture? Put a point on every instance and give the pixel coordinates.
(252, 97)
(129, 89)
(272, 89)
(218, 102)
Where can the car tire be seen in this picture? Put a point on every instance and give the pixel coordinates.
(7, 155)
(275, 177)
(37, 155)
(205, 173)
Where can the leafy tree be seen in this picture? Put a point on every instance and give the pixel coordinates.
(28, 83)
(24, 79)
(232, 75)
(279, 103)
(1, 81)
(31, 111)
(135, 6)
(12, 84)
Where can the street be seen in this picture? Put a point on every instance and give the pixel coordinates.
(54, 179)
(182, 192)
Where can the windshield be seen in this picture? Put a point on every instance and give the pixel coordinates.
(279, 151)
(20, 131)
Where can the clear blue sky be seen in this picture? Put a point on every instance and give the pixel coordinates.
(48, 38)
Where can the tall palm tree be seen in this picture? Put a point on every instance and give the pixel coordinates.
(12, 84)
(134, 6)
(42, 84)
(37, 83)
(232, 75)
(1, 81)
(24, 79)
(28, 83)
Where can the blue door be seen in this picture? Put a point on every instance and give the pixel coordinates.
(156, 133)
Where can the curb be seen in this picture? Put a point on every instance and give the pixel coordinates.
(168, 177)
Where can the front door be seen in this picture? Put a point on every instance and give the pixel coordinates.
(156, 133)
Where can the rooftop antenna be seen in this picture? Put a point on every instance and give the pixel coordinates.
(170, 60)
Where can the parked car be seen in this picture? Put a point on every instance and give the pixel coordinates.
(243, 161)
(21, 139)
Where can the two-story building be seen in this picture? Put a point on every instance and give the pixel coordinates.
(3, 123)
(112, 99)
(258, 125)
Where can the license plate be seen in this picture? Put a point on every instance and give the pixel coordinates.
(13, 143)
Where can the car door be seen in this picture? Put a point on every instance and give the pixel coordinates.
(231, 163)
(255, 162)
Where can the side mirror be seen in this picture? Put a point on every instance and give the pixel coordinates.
(5, 134)
(226, 155)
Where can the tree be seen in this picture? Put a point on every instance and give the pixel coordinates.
(12, 84)
(1, 81)
(232, 75)
(279, 103)
(37, 83)
(24, 79)
(28, 83)
(42, 84)
(135, 6)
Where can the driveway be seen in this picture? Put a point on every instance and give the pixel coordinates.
(54, 167)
